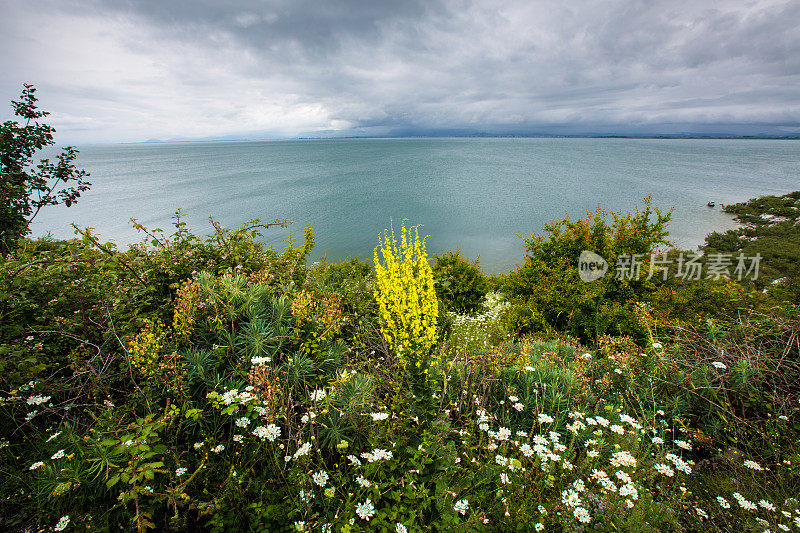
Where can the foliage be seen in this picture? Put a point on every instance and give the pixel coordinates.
(545, 290)
(771, 229)
(460, 283)
(214, 384)
(25, 191)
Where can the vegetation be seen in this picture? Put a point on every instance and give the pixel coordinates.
(771, 228)
(24, 191)
(213, 383)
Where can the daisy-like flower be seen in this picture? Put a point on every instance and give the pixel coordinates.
(461, 506)
(657, 440)
(54, 435)
(622, 458)
(545, 418)
(570, 498)
(364, 482)
(744, 503)
(365, 510)
(538, 526)
(198, 445)
(36, 465)
(400, 528)
(260, 360)
(377, 417)
(582, 515)
(529, 369)
(616, 428)
(657, 346)
(58, 455)
(218, 448)
(700, 512)
(38, 399)
(320, 478)
(243, 422)
(271, 432)
(752, 465)
(717, 364)
(62, 523)
(180, 471)
(518, 406)
(238, 438)
(376, 455)
(723, 502)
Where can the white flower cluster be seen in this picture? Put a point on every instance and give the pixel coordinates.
(38, 399)
(233, 396)
(377, 454)
(270, 432)
(318, 395)
(461, 506)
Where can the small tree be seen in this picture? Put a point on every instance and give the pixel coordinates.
(25, 189)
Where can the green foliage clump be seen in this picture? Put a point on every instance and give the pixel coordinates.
(460, 283)
(546, 293)
(214, 384)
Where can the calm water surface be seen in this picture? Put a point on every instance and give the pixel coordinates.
(476, 194)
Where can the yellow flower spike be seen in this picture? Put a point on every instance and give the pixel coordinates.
(406, 295)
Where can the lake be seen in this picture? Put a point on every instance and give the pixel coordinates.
(478, 194)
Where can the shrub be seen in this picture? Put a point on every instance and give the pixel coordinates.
(460, 283)
(546, 293)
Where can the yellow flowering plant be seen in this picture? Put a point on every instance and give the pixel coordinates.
(408, 305)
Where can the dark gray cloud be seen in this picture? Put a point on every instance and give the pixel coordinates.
(131, 70)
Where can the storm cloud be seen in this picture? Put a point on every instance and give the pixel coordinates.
(114, 70)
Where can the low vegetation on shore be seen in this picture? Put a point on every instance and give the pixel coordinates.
(214, 384)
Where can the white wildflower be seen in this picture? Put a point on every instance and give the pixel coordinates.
(365, 510)
(320, 478)
(62, 523)
(461, 506)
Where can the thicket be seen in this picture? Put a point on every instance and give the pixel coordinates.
(213, 383)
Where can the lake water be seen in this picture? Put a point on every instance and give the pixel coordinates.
(474, 193)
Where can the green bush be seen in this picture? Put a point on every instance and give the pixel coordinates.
(547, 294)
(460, 283)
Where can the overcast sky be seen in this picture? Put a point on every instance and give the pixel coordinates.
(117, 70)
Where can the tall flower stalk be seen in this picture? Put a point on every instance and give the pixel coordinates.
(408, 306)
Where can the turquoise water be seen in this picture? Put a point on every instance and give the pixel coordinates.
(476, 194)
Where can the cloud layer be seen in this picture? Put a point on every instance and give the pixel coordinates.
(114, 70)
